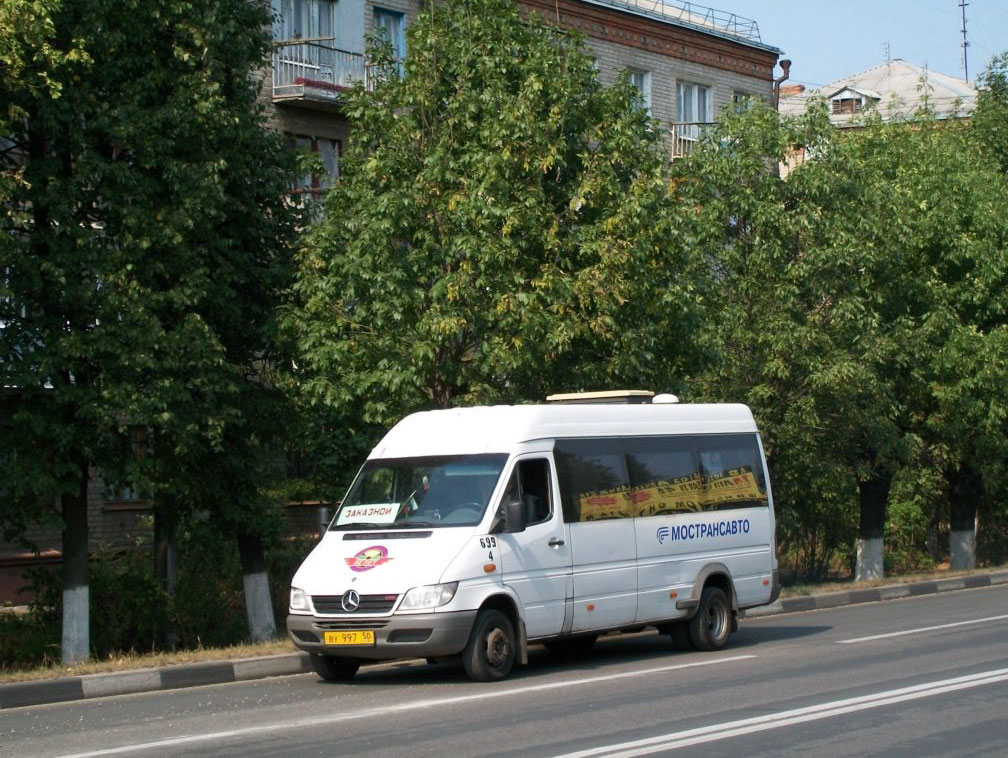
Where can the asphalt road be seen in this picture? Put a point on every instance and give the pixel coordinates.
(923, 676)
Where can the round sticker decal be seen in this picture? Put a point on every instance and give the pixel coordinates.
(368, 558)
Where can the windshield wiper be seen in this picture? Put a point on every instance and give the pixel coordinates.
(411, 524)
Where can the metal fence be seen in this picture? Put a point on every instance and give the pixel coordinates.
(315, 66)
(686, 135)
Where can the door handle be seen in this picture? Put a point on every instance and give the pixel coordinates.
(555, 542)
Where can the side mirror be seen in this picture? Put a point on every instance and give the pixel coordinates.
(510, 517)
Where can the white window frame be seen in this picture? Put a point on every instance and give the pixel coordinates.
(641, 81)
(330, 150)
(689, 102)
(307, 19)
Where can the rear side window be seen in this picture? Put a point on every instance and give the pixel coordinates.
(594, 483)
(650, 476)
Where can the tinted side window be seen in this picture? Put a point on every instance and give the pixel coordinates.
(593, 479)
(650, 476)
(664, 475)
(732, 474)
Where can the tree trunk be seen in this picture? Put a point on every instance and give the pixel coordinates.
(258, 603)
(166, 567)
(965, 489)
(76, 601)
(873, 494)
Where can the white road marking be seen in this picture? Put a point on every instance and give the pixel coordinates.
(922, 629)
(727, 730)
(392, 709)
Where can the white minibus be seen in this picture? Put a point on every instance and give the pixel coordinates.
(474, 532)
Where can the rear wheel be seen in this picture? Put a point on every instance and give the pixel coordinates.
(490, 653)
(334, 669)
(710, 627)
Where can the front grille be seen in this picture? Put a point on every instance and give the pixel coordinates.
(368, 603)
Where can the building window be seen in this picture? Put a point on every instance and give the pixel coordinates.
(389, 27)
(743, 101)
(127, 494)
(641, 80)
(307, 19)
(847, 105)
(323, 154)
(695, 103)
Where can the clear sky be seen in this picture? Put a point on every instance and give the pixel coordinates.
(829, 39)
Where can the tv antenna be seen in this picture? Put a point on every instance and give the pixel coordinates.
(965, 42)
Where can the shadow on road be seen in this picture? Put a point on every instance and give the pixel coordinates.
(645, 646)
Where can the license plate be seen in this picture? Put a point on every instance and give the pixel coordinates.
(361, 637)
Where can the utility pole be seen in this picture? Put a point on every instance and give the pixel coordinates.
(965, 42)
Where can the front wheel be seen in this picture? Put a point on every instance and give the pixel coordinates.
(709, 628)
(490, 653)
(334, 669)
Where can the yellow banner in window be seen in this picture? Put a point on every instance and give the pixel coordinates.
(683, 495)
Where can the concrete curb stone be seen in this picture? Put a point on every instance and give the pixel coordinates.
(65, 689)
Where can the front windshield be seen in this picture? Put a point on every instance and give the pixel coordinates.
(420, 492)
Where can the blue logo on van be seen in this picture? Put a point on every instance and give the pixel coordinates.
(662, 534)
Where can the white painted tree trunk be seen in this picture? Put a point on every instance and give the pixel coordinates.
(962, 549)
(869, 560)
(259, 607)
(76, 625)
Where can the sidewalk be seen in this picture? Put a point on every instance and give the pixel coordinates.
(217, 672)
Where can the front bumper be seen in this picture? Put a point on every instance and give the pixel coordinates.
(424, 635)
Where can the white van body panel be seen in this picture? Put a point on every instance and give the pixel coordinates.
(402, 561)
(559, 576)
(673, 549)
(605, 575)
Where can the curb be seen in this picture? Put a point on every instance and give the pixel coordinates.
(877, 594)
(87, 686)
(178, 676)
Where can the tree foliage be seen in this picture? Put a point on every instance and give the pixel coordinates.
(143, 247)
(503, 228)
(862, 309)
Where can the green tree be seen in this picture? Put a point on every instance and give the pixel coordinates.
(854, 293)
(990, 119)
(502, 228)
(141, 249)
(781, 318)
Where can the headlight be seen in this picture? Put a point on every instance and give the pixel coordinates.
(298, 600)
(428, 596)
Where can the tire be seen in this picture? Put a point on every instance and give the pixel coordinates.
(679, 633)
(710, 627)
(490, 653)
(333, 669)
(571, 647)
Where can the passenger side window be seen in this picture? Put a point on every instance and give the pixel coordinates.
(594, 484)
(651, 476)
(664, 476)
(530, 483)
(731, 472)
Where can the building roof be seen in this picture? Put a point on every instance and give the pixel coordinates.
(691, 15)
(895, 89)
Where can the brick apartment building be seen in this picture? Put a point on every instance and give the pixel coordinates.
(688, 61)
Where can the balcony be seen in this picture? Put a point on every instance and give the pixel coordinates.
(684, 136)
(315, 70)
